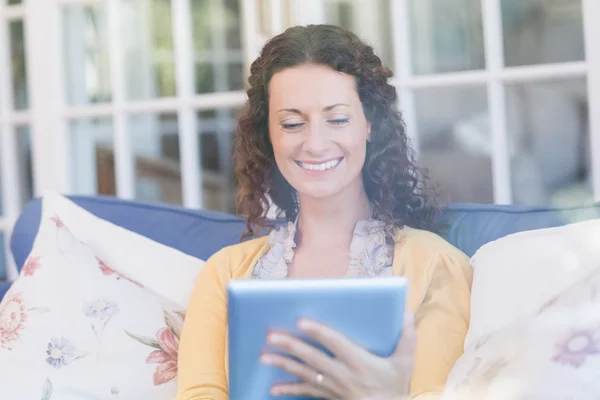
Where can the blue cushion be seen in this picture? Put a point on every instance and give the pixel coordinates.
(470, 226)
(4, 286)
(202, 233)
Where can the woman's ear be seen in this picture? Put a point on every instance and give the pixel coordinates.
(369, 138)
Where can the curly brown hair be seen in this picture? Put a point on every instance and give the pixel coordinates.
(393, 182)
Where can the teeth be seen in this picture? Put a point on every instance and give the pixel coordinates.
(320, 167)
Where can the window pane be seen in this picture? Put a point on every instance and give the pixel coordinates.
(86, 55)
(455, 142)
(92, 157)
(155, 143)
(370, 20)
(149, 51)
(24, 172)
(542, 31)
(216, 129)
(217, 46)
(24, 169)
(548, 127)
(19, 65)
(155, 146)
(205, 82)
(233, 24)
(446, 35)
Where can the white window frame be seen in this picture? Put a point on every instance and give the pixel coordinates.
(591, 15)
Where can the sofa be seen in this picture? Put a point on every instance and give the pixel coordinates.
(99, 306)
(202, 233)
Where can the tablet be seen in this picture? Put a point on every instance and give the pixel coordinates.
(369, 311)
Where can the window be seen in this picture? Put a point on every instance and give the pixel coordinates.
(16, 174)
(138, 98)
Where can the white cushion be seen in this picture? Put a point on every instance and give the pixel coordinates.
(90, 315)
(162, 269)
(553, 353)
(514, 276)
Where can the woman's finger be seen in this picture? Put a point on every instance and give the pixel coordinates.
(301, 389)
(343, 348)
(306, 374)
(312, 356)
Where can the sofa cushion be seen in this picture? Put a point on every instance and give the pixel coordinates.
(552, 352)
(74, 327)
(4, 286)
(202, 233)
(166, 271)
(470, 226)
(515, 276)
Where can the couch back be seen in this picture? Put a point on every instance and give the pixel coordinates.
(202, 233)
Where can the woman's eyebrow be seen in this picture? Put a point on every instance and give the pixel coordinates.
(327, 108)
(331, 107)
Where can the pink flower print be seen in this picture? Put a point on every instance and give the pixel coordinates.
(32, 264)
(108, 271)
(57, 221)
(166, 345)
(12, 319)
(165, 357)
(577, 348)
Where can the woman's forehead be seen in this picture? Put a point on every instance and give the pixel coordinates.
(311, 86)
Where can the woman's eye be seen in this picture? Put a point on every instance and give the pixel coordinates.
(293, 126)
(339, 121)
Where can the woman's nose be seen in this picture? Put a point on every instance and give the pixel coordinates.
(315, 140)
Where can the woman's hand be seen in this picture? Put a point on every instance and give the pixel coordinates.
(354, 373)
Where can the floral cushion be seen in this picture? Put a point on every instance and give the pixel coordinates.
(73, 327)
(513, 277)
(166, 271)
(551, 354)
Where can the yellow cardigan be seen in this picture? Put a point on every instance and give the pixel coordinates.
(439, 279)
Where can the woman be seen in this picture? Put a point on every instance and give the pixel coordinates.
(321, 139)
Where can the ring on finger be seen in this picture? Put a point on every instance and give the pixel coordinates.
(319, 379)
(304, 372)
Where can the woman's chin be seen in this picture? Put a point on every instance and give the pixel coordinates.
(320, 192)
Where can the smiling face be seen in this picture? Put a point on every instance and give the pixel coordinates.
(318, 131)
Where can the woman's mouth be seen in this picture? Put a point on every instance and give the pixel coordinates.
(319, 166)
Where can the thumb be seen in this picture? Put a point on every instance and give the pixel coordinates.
(405, 351)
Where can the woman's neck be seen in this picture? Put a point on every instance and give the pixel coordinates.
(331, 221)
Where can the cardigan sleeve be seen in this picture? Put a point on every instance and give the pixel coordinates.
(201, 364)
(442, 321)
